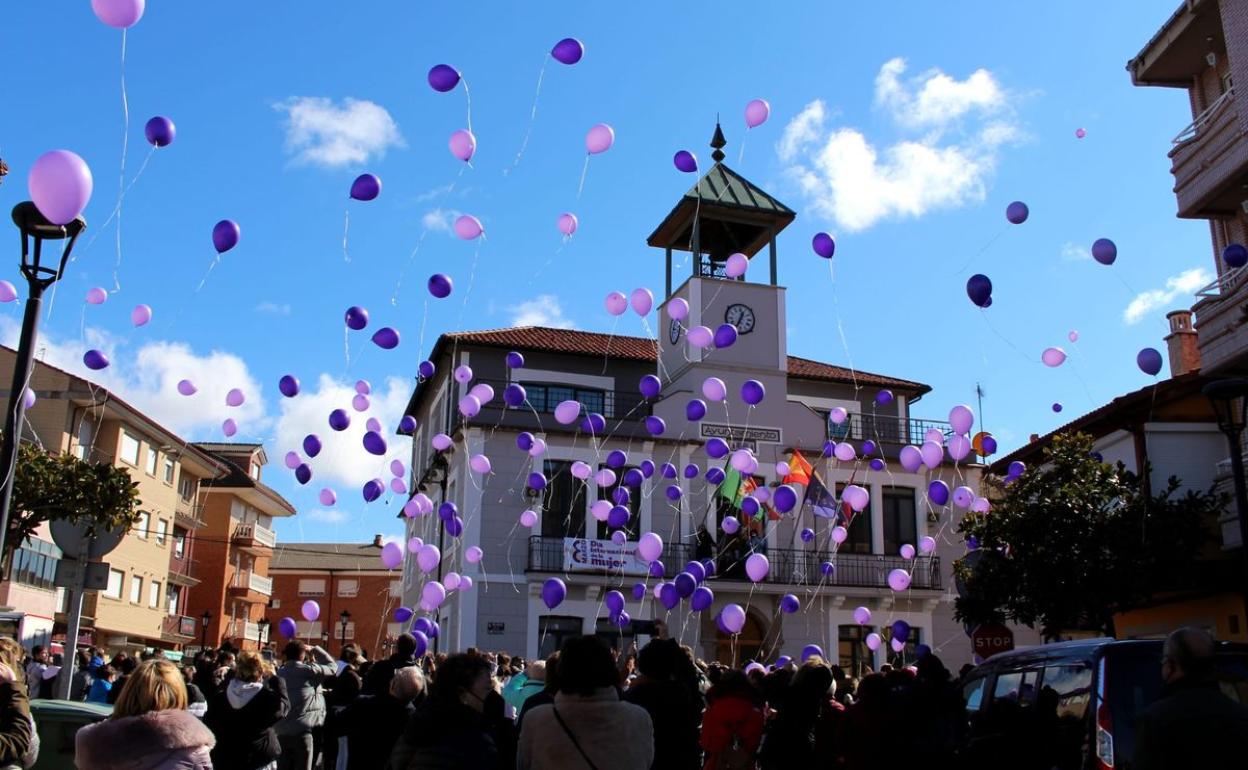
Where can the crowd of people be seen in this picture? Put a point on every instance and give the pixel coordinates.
(586, 706)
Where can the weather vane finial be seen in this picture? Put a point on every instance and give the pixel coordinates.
(718, 142)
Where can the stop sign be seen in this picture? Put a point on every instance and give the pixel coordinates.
(989, 639)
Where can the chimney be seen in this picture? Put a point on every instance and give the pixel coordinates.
(1181, 344)
(1033, 438)
(376, 541)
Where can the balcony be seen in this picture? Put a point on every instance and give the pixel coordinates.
(1209, 160)
(188, 515)
(886, 430)
(614, 405)
(254, 539)
(243, 629)
(1220, 322)
(252, 588)
(182, 572)
(788, 566)
(178, 628)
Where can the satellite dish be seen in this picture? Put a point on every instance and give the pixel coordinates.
(69, 538)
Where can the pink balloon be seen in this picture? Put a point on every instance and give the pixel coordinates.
(700, 337)
(328, 496)
(97, 296)
(1053, 357)
(616, 303)
(8, 292)
(642, 301)
(392, 556)
(528, 519)
(927, 544)
(141, 315)
(567, 412)
(676, 308)
(468, 227)
(757, 112)
(60, 184)
(121, 14)
(473, 554)
(599, 138)
(736, 265)
(310, 610)
(567, 223)
(463, 144)
(1073, 336)
(1080, 133)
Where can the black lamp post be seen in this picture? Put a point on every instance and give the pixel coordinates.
(344, 618)
(1230, 403)
(34, 227)
(203, 630)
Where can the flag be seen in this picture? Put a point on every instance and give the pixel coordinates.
(730, 488)
(799, 470)
(821, 501)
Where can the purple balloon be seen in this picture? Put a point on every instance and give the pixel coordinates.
(669, 596)
(1104, 251)
(828, 569)
(938, 492)
(753, 392)
(225, 235)
(655, 425)
(288, 627)
(356, 318)
(808, 535)
(692, 471)
(1017, 212)
(990, 445)
(823, 245)
(717, 448)
(685, 161)
(288, 385)
(303, 473)
(639, 590)
(884, 397)
(979, 289)
(568, 51)
(1235, 255)
(553, 592)
(1148, 359)
(95, 360)
(440, 285)
(701, 599)
(514, 395)
(160, 131)
(386, 338)
(515, 360)
(443, 77)
(454, 527)
(426, 369)
(650, 386)
(339, 419)
(594, 424)
(876, 464)
(537, 481)
(685, 584)
(366, 187)
(374, 443)
(524, 441)
(407, 424)
(810, 651)
(311, 445)
(900, 630)
(695, 410)
(402, 614)
(656, 569)
(668, 471)
(373, 489)
(789, 604)
(725, 335)
(784, 498)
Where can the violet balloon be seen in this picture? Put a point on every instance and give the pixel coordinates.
(160, 131)
(141, 315)
(1148, 359)
(440, 286)
(468, 227)
(685, 161)
(733, 616)
(699, 336)
(60, 185)
(1104, 251)
(366, 187)
(310, 610)
(616, 303)
(824, 245)
(8, 292)
(568, 51)
(225, 235)
(97, 296)
(736, 265)
(1053, 357)
(677, 308)
(356, 318)
(642, 301)
(443, 78)
(327, 497)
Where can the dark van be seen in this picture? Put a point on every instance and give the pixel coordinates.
(1072, 705)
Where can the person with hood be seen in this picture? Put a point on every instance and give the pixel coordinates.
(732, 726)
(242, 716)
(307, 703)
(450, 729)
(150, 728)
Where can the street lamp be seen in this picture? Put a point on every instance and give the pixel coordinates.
(344, 617)
(203, 630)
(1230, 403)
(264, 631)
(33, 226)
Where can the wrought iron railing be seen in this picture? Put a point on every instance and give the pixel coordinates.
(1193, 129)
(787, 566)
(886, 430)
(1224, 284)
(545, 396)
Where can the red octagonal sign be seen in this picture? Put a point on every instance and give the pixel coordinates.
(991, 638)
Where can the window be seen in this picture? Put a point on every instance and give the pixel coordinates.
(393, 630)
(179, 544)
(306, 630)
(145, 522)
(311, 587)
(162, 530)
(908, 654)
(544, 398)
(553, 631)
(852, 651)
(255, 470)
(115, 578)
(34, 563)
(899, 520)
(169, 470)
(171, 600)
(396, 589)
(615, 493)
(348, 588)
(275, 604)
(1016, 687)
(973, 694)
(153, 594)
(564, 504)
(186, 488)
(350, 632)
(136, 589)
(858, 524)
(150, 466)
(129, 449)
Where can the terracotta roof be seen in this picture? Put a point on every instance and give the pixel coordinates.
(644, 349)
(321, 557)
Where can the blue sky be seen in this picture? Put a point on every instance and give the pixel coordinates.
(903, 132)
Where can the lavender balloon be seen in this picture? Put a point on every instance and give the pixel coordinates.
(60, 185)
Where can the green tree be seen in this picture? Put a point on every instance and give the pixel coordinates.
(60, 486)
(1072, 542)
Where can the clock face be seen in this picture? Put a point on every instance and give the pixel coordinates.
(740, 316)
(673, 331)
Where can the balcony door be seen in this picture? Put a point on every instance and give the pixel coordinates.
(564, 505)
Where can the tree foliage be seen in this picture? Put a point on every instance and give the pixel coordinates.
(1070, 543)
(60, 486)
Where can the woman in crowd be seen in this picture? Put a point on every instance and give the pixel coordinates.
(150, 728)
(450, 731)
(18, 739)
(373, 723)
(732, 726)
(242, 715)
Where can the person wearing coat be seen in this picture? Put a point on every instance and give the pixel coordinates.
(373, 723)
(307, 703)
(18, 739)
(150, 728)
(733, 721)
(242, 716)
(451, 729)
(588, 724)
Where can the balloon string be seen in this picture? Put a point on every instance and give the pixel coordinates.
(346, 348)
(532, 116)
(584, 171)
(346, 227)
(840, 327)
(125, 144)
(468, 98)
(394, 298)
(982, 249)
(741, 154)
(113, 214)
(211, 266)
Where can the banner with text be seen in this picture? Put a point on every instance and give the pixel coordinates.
(583, 555)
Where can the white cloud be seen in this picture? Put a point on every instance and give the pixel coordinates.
(436, 192)
(273, 308)
(440, 220)
(542, 310)
(1073, 252)
(343, 460)
(318, 132)
(857, 183)
(147, 379)
(328, 515)
(1184, 284)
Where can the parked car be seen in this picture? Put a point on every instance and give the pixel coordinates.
(58, 722)
(1072, 705)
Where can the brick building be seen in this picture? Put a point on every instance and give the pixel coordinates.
(340, 577)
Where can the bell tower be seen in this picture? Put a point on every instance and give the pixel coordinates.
(721, 215)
